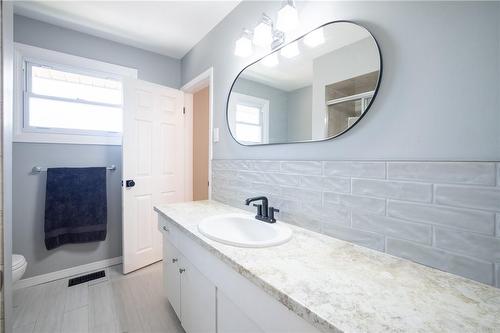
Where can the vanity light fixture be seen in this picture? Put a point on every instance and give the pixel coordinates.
(271, 60)
(263, 32)
(314, 38)
(288, 17)
(244, 47)
(264, 35)
(291, 50)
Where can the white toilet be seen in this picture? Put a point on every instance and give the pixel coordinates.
(19, 265)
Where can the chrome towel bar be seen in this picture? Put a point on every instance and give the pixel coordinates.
(38, 169)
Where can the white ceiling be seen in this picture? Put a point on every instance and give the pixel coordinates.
(170, 28)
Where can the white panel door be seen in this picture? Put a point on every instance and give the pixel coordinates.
(153, 166)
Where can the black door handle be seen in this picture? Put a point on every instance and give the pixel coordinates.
(129, 183)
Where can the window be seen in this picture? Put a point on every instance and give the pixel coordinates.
(248, 123)
(67, 99)
(63, 100)
(249, 118)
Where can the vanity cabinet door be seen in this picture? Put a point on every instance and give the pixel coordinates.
(171, 276)
(230, 319)
(197, 300)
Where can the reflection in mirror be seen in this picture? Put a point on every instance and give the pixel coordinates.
(312, 89)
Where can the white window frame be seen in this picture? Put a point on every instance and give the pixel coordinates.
(263, 104)
(35, 55)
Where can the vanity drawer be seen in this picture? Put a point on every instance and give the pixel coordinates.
(168, 230)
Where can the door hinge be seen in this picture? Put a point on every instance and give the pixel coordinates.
(184, 110)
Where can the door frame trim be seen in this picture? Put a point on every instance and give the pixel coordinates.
(7, 86)
(203, 80)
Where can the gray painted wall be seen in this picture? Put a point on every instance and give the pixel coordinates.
(438, 98)
(29, 204)
(29, 191)
(151, 66)
(299, 114)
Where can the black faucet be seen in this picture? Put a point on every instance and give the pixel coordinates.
(264, 213)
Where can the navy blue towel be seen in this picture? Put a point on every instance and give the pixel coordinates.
(75, 206)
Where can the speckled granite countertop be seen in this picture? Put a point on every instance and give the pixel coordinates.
(337, 286)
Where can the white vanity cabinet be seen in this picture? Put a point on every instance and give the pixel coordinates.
(210, 296)
(191, 295)
(171, 276)
(230, 319)
(198, 300)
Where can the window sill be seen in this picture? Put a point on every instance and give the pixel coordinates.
(58, 138)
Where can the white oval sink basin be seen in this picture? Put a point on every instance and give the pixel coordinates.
(244, 231)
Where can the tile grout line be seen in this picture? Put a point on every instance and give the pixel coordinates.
(496, 282)
(433, 235)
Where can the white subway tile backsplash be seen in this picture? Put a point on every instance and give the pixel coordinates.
(392, 227)
(475, 173)
(487, 198)
(300, 220)
(250, 165)
(248, 176)
(333, 184)
(497, 224)
(363, 204)
(300, 195)
(355, 169)
(265, 189)
(225, 173)
(446, 261)
(469, 244)
(232, 197)
(228, 165)
(442, 214)
(269, 178)
(267, 166)
(230, 184)
(498, 174)
(329, 212)
(363, 238)
(281, 179)
(497, 275)
(473, 220)
(392, 189)
(302, 167)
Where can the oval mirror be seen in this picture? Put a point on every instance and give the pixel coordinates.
(312, 89)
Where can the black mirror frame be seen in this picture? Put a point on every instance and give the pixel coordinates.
(279, 48)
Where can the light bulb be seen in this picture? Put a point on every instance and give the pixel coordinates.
(263, 32)
(291, 50)
(314, 38)
(244, 46)
(288, 18)
(271, 60)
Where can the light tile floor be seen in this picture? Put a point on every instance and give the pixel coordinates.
(117, 303)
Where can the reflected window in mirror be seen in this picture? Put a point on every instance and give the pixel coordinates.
(249, 116)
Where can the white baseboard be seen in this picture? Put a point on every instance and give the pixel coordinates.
(65, 273)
